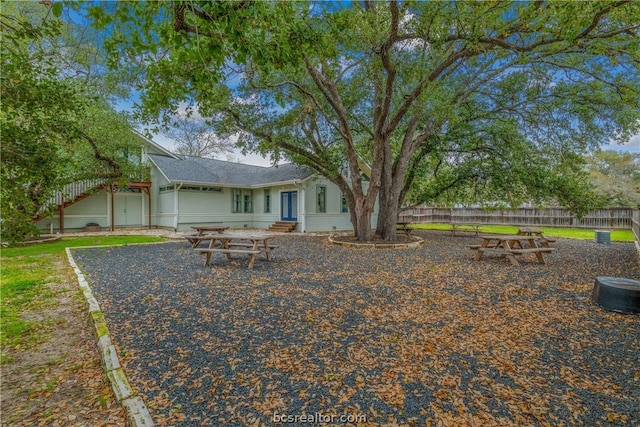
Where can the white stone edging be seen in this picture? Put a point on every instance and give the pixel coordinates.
(137, 412)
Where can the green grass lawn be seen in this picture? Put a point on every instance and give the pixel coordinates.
(24, 274)
(569, 233)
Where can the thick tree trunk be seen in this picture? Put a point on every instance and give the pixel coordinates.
(388, 215)
(360, 211)
(391, 192)
(362, 228)
(362, 216)
(388, 198)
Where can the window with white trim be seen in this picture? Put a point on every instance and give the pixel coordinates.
(321, 206)
(267, 200)
(236, 200)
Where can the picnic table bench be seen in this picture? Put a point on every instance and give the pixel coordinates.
(246, 244)
(509, 246)
(464, 226)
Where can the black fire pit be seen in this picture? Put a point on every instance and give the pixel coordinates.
(617, 294)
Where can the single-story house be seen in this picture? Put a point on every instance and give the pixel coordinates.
(186, 191)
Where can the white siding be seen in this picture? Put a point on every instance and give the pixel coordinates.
(333, 219)
(203, 207)
(198, 207)
(92, 209)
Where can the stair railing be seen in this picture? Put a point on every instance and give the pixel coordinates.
(73, 190)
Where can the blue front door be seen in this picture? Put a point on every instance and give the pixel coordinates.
(289, 206)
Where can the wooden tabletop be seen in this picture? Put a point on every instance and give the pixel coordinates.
(241, 236)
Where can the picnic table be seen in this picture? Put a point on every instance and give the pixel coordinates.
(404, 226)
(509, 246)
(532, 231)
(464, 225)
(195, 239)
(249, 244)
(210, 229)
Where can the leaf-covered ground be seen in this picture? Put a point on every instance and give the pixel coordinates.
(60, 381)
(410, 337)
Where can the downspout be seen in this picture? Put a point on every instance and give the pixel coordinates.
(176, 204)
(113, 201)
(302, 207)
(61, 217)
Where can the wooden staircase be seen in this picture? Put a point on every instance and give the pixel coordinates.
(283, 226)
(72, 193)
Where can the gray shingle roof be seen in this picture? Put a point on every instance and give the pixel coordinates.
(189, 169)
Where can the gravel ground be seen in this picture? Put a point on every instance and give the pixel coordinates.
(406, 336)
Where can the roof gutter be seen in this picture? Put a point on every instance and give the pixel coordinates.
(289, 182)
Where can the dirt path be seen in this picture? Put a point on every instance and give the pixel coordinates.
(61, 382)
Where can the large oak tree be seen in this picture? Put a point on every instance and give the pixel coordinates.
(55, 127)
(380, 96)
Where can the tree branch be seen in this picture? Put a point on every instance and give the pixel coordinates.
(117, 173)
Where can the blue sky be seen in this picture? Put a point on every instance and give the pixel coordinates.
(632, 146)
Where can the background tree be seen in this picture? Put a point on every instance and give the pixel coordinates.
(616, 177)
(503, 90)
(193, 137)
(53, 131)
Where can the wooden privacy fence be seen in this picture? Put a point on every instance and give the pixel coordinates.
(614, 218)
(635, 225)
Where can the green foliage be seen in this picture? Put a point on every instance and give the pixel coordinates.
(616, 177)
(509, 177)
(55, 130)
(36, 108)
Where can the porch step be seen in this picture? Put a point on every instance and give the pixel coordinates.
(283, 226)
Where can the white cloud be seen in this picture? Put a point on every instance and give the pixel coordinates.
(632, 146)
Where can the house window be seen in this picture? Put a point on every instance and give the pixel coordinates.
(267, 201)
(236, 201)
(128, 190)
(322, 199)
(343, 204)
(248, 201)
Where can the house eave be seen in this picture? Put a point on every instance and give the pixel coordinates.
(154, 144)
(281, 183)
(218, 184)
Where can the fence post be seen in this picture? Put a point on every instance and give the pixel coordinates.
(610, 218)
(635, 228)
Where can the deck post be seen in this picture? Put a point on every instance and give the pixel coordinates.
(61, 217)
